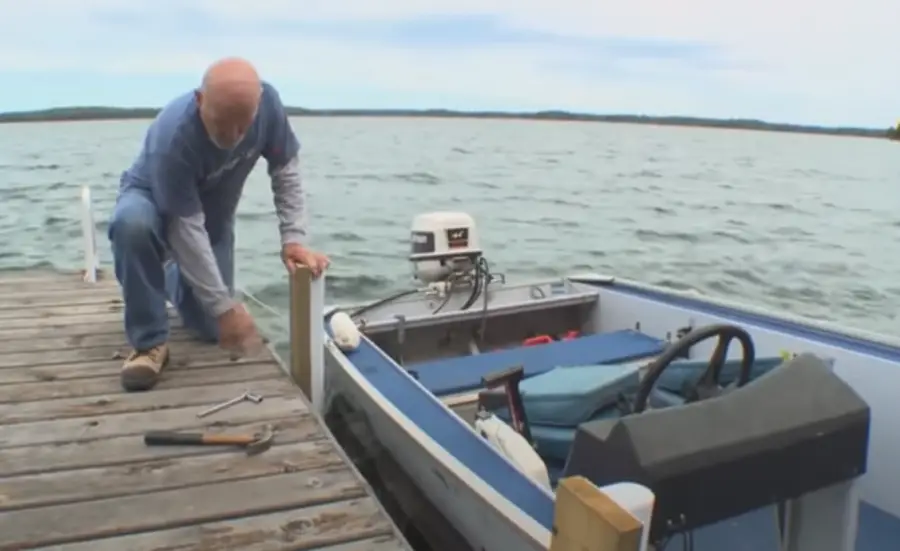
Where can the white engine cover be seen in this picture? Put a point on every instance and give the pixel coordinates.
(442, 242)
(514, 447)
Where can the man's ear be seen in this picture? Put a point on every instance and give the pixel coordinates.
(198, 94)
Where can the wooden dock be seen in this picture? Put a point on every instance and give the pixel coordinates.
(75, 474)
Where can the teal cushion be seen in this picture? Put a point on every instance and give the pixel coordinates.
(569, 396)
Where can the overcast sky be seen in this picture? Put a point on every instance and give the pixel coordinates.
(826, 62)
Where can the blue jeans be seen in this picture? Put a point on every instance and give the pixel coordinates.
(138, 238)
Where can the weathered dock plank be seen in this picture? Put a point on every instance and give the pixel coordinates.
(196, 398)
(73, 333)
(27, 391)
(322, 527)
(75, 474)
(121, 450)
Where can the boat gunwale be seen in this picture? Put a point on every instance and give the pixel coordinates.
(830, 334)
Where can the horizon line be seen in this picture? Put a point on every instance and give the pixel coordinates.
(100, 112)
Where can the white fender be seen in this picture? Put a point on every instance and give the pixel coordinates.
(513, 446)
(344, 332)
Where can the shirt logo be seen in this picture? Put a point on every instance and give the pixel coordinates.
(232, 162)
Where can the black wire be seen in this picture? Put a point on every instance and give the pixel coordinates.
(479, 280)
(482, 278)
(483, 328)
(382, 301)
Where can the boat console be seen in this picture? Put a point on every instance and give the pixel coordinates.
(795, 430)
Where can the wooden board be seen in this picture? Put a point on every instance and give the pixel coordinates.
(26, 300)
(108, 335)
(71, 522)
(73, 331)
(36, 281)
(65, 372)
(195, 398)
(51, 310)
(586, 519)
(179, 351)
(75, 474)
(310, 528)
(49, 320)
(26, 391)
(120, 450)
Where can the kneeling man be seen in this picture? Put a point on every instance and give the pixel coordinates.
(172, 228)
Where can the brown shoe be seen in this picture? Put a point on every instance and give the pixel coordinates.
(142, 368)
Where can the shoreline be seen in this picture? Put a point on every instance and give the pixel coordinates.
(69, 114)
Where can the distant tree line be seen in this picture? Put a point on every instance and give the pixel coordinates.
(114, 113)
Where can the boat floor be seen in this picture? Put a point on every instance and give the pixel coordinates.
(75, 474)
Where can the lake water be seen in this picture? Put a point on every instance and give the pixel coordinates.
(807, 224)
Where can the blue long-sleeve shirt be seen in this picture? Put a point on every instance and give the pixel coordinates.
(197, 186)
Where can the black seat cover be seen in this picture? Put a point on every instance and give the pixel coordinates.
(794, 430)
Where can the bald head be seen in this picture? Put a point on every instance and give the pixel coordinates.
(228, 99)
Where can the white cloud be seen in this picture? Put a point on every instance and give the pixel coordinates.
(827, 58)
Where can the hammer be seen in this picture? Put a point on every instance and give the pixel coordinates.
(253, 444)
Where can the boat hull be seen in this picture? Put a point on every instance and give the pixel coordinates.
(490, 521)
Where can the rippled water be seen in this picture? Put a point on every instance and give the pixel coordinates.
(808, 224)
(803, 223)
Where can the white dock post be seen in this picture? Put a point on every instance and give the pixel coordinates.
(307, 334)
(89, 238)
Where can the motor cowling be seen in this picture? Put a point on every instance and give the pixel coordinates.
(442, 243)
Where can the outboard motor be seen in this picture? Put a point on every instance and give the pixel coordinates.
(442, 243)
(798, 429)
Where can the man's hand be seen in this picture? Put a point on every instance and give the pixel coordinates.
(293, 254)
(238, 333)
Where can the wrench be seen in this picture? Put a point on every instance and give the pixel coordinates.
(245, 397)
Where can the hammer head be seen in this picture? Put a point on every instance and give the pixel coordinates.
(255, 398)
(263, 441)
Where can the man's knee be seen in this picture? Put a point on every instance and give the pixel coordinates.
(135, 223)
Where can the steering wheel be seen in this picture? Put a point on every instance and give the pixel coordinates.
(708, 384)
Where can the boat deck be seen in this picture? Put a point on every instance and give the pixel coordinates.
(76, 475)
